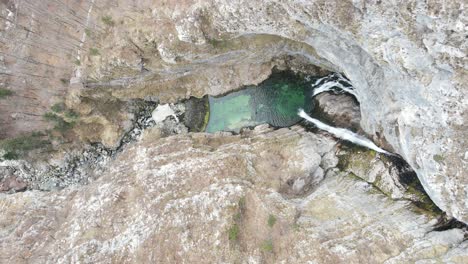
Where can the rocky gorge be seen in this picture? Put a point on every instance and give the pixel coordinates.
(90, 174)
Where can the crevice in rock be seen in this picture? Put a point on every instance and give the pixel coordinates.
(446, 223)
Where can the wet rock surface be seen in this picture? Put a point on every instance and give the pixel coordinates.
(339, 110)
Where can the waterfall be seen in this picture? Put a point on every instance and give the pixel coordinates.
(331, 83)
(343, 133)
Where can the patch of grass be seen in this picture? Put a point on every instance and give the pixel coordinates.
(77, 62)
(94, 52)
(5, 93)
(234, 232)
(267, 246)
(108, 21)
(271, 220)
(14, 147)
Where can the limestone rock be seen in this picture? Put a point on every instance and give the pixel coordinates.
(12, 183)
(405, 60)
(218, 198)
(339, 110)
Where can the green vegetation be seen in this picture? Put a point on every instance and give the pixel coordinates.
(58, 107)
(267, 246)
(64, 81)
(271, 220)
(63, 118)
(5, 93)
(88, 32)
(234, 232)
(438, 158)
(70, 114)
(94, 52)
(15, 147)
(296, 227)
(77, 62)
(60, 124)
(216, 43)
(241, 203)
(108, 21)
(11, 156)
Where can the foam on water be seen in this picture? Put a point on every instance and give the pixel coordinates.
(333, 82)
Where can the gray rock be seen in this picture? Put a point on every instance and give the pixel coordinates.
(340, 110)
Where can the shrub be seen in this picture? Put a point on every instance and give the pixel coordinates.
(87, 32)
(93, 51)
(5, 92)
(22, 144)
(438, 158)
(70, 114)
(271, 220)
(267, 246)
(60, 124)
(50, 116)
(58, 107)
(241, 203)
(108, 20)
(11, 156)
(64, 81)
(217, 43)
(234, 232)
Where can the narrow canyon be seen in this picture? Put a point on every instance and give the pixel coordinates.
(233, 131)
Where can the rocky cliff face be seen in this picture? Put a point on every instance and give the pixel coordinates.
(406, 59)
(256, 197)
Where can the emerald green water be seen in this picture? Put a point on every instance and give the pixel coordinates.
(275, 101)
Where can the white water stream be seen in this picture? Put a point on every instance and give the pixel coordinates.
(330, 83)
(343, 133)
